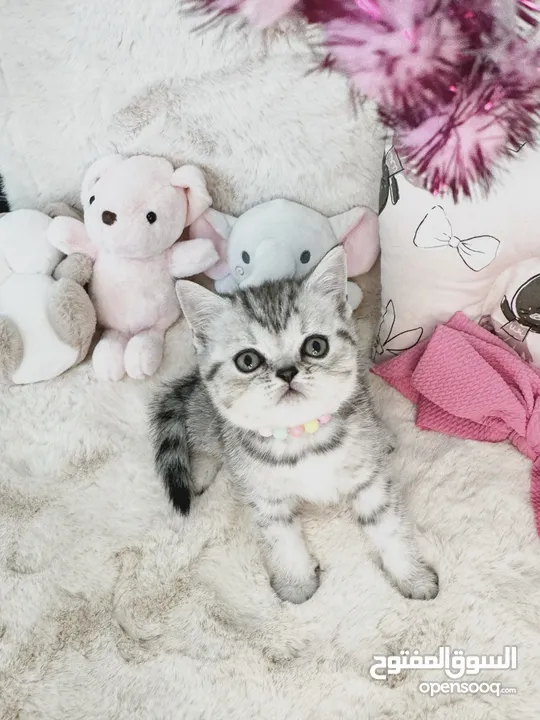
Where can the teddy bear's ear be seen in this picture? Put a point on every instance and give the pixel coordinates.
(94, 172)
(191, 179)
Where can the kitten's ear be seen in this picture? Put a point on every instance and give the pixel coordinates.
(330, 275)
(199, 305)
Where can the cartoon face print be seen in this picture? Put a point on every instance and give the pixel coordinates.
(514, 341)
(391, 166)
(525, 305)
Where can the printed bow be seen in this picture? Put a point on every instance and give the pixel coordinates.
(435, 231)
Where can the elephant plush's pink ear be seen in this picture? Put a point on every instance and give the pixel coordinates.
(217, 227)
(358, 231)
(192, 180)
(94, 173)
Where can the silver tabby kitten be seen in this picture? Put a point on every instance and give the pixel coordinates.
(274, 358)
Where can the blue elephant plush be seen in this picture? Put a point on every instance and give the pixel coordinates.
(283, 239)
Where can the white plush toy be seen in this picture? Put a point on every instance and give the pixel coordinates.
(283, 239)
(46, 322)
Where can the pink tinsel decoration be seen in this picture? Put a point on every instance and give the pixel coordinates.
(491, 112)
(457, 145)
(407, 54)
(261, 13)
(527, 11)
(454, 79)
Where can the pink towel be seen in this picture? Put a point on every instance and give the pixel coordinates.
(468, 383)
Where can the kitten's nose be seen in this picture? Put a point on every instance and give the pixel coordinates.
(108, 217)
(287, 374)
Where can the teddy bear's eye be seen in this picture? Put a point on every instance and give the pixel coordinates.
(92, 199)
(151, 217)
(305, 257)
(245, 257)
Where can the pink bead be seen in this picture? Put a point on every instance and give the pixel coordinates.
(296, 431)
(325, 419)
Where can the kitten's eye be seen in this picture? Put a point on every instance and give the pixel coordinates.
(305, 257)
(151, 217)
(248, 360)
(245, 257)
(92, 199)
(315, 346)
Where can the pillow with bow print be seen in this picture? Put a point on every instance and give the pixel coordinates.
(438, 257)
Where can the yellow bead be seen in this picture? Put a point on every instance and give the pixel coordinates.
(312, 426)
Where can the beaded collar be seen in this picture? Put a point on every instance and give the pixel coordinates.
(296, 431)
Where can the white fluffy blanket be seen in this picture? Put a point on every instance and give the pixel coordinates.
(79, 80)
(112, 607)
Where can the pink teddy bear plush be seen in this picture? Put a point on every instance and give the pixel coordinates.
(135, 210)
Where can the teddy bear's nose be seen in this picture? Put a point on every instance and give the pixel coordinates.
(108, 217)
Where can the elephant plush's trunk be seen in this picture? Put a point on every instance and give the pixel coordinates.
(272, 261)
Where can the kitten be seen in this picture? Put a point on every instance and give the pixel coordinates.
(280, 395)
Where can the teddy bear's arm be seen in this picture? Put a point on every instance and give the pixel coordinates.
(190, 257)
(70, 236)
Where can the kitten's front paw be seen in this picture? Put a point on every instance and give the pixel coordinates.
(296, 590)
(422, 583)
(108, 360)
(143, 355)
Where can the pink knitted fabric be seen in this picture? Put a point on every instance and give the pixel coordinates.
(467, 383)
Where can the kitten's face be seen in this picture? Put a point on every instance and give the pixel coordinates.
(279, 355)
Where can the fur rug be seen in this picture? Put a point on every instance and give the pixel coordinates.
(111, 606)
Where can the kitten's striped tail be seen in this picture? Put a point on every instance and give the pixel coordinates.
(169, 418)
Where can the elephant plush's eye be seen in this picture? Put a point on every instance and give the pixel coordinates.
(248, 360)
(151, 217)
(92, 199)
(305, 257)
(245, 257)
(315, 346)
